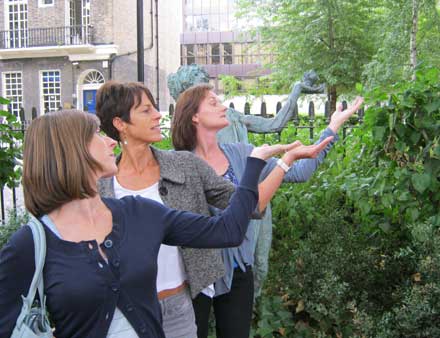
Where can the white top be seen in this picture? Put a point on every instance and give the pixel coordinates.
(170, 268)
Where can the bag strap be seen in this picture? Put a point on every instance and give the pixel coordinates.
(37, 283)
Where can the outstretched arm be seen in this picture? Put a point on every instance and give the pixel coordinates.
(257, 124)
(302, 170)
(271, 183)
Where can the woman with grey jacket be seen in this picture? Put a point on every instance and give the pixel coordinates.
(199, 116)
(177, 179)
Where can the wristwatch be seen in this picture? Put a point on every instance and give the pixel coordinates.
(283, 165)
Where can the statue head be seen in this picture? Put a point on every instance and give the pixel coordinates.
(310, 78)
(185, 77)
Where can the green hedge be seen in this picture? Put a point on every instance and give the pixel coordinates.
(356, 250)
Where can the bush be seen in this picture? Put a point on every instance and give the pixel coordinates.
(356, 250)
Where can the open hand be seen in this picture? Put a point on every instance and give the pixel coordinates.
(265, 151)
(340, 116)
(301, 151)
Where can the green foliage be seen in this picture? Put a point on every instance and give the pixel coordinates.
(391, 61)
(231, 85)
(308, 35)
(11, 136)
(14, 221)
(356, 250)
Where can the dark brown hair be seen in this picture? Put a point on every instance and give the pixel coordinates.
(57, 164)
(183, 131)
(116, 99)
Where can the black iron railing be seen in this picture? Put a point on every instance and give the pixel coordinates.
(45, 37)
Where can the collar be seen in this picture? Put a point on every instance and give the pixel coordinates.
(170, 168)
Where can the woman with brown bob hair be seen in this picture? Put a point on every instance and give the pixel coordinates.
(198, 117)
(101, 260)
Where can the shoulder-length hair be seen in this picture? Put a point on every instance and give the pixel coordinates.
(183, 131)
(116, 99)
(57, 164)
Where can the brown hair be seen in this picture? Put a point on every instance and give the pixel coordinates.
(116, 99)
(57, 163)
(183, 131)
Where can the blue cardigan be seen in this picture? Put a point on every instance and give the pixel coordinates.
(83, 292)
(300, 171)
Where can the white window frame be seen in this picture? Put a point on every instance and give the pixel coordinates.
(22, 34)
(41, 4)
(42, 94)
(5, 92)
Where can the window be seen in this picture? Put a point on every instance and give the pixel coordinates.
(190, 56)
(215, 53)
(227, 53)
(94, 77)
(16, 23)
(50, 90)
(46, 3)
(13, 90)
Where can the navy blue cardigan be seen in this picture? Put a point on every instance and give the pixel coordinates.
(83, 291)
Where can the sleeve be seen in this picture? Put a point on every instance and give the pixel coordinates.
(16, 271)
(226, 229)
(302, 170)
(217, 190)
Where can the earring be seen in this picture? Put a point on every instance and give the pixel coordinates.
(125, 142)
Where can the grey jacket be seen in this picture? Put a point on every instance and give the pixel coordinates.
(188, 183)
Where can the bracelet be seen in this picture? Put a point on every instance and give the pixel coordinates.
(283, 165)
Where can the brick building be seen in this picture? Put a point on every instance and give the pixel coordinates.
(214, 38)
(56, 53)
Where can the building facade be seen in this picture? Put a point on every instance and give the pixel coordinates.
(56, 53)
(214, 38)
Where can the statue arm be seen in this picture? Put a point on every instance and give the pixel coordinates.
(258, 124)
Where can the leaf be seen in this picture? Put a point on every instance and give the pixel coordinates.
(415, 137)
(359, 87)
(378, 133)
(300, 306)
(433, 106)
(421, 182)
(4, 101)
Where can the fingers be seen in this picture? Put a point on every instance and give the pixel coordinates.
(339, 106)
(356, 104)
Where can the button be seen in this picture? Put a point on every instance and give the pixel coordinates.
(143, 329)
(115, 288)
(116, 263)
(129, 308)
(163, 191)
(108, 243)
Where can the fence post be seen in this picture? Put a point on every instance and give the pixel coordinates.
(263, 111)
(247, 108)
(171, 110)
(361, 114)
(278, 108)
(327, 112)
(311, 119)
(22, 115)
(344, 128)
(34, 113)
(295, 118)
(2, 202)
(231, 105)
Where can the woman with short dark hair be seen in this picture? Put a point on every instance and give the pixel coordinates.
(101, 257)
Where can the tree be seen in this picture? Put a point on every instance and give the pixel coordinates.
(409, 35)
(333, 37)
